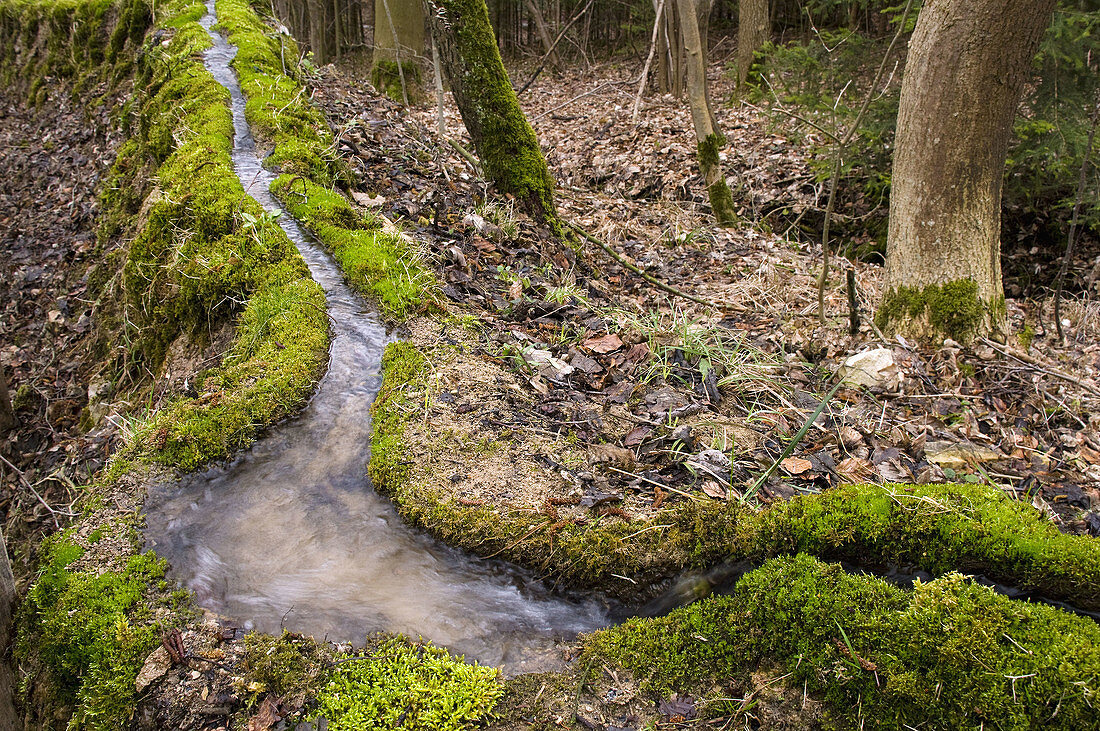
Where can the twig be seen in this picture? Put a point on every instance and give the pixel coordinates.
(652, 280)
(1073, 225)
(648, 63)
(27, 483)
(793, 443)
(689, 496)
(553, 46)
(466, 154)
(1023, 357)
(837, 159)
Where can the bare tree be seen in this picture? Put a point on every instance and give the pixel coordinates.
(708, 135)
(7, 414)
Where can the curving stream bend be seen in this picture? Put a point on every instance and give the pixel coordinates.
(291, 534)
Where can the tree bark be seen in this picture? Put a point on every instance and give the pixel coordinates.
(398, 47)
(967, 66)
(505, 143)
(707, 134)
(8, 718)
(753, 31)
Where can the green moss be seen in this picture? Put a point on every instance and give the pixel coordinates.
(387, 78)
(409, 686)
(939, 528)
(952, 310)
(286, 667)
(721, 199)
(948, 654)
(92, 630)
(377, 263)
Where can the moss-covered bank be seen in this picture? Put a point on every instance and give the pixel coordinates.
(947, 654)
(938, 528)
(377, 261)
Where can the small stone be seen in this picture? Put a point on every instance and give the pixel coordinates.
(156, 665)
(874, 368)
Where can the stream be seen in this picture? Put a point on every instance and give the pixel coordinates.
(291, 534)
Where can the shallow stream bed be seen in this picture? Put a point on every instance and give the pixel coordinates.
(291, 534)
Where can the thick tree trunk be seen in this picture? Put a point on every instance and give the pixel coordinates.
(544, 33)
(504, 140)
(753, 31)
(968, 62)
(7, 414)
(707, 134)
(398, 48)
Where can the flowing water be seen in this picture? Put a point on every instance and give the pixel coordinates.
(292, 535)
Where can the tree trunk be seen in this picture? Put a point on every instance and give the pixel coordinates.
(8, 718)
(398, 48)
(544, 33)
(7, 414)
(504, 140)
(753, 31)
(317, 31)
(968, 63)
(707, 134)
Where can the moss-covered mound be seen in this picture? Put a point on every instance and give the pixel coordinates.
(948, 654)
(938, 528)
(379, 263)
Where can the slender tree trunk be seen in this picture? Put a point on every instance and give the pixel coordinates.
(968, 63)
(398, 47)
(317, 31)
(753, 31)
(8, 719)
(504, 140)
(707, 134)
(544, 33)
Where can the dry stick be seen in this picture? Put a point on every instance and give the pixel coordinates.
(397, 53)
(440, 119)
(837, 161)
(1025, 358)
(652, 280)
(553, 46)
(648, 63)
(793, 443)
(1073, 225)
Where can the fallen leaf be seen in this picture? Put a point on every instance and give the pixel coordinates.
(266, 717)
(714, 490)
(855, 469)
(604, 343)
(796, 465)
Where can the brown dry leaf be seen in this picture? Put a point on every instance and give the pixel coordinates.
(610, 453)
(604, 343)
(636, 436)
(855, 469)
(796, 465)
(516, 290)
(266, 717)
(714, 490)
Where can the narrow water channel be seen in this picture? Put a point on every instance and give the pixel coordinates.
(291, 533)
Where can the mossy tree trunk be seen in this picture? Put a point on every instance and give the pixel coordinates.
(753, 31)
(707, 133)
(398, 48)
(967, 66)
(504, 140)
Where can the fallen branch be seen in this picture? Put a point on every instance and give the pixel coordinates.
(652, 280)
(1048, 370)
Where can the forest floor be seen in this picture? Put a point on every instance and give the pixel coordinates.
(53, 159)
(664, 391)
